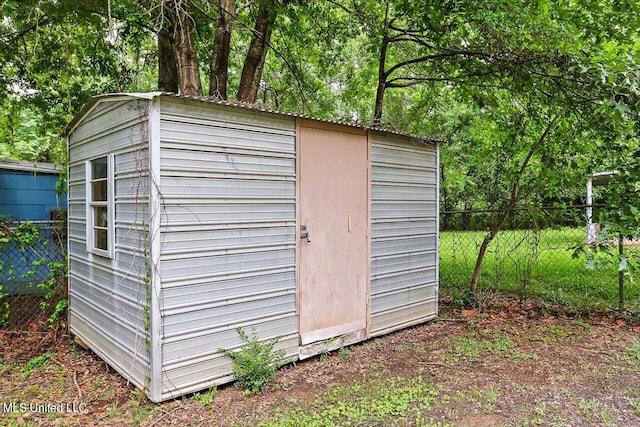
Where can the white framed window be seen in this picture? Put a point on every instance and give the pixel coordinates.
(100, 206)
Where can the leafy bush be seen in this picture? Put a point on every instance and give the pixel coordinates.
(255, 363)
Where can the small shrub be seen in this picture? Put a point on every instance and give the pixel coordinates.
(464, 297)
(255, 363)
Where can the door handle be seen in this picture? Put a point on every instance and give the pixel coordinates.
(304, 233)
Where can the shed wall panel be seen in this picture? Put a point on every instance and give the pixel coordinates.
(107, 296)
(404, 243)
(228, 237)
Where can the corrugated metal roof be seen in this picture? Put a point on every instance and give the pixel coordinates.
(151, 95)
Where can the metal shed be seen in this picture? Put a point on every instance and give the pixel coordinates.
(189, 218)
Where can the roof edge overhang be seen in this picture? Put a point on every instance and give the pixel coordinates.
(237, 104)
(27, 166)
(602, 177)
(94, 101)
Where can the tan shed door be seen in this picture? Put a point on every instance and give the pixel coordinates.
(333, 266)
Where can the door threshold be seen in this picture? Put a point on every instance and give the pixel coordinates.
(331, 344)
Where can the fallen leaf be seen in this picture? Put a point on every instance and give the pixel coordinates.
(621, 322)
(469, 313)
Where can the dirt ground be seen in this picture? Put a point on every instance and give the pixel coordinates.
(509, 365)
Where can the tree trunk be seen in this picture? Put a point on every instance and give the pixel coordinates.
(167, 68)
(382, 74)
(510, 205)
(221, 49)
(254, 61)
(184, 49)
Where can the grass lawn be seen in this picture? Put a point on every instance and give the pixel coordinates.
(539, 265)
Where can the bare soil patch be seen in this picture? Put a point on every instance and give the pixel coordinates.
(511, 364)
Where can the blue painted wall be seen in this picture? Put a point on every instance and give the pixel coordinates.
(28, 196)
(25, 195)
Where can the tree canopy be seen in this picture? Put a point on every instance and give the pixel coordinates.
(530, 96)
(485, 76)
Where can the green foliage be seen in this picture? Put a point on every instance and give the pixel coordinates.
(56, 56)
(35, 363)
(344, 353)
(634, 351)
(372, 401)
(619, 219)
(42, 254)
(206, 398)
(621, 213)
(473, 347)
(256, 362)
(487, 78)
(463, 297)
(59, 312)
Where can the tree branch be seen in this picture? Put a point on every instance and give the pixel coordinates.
(412, 81)
(447, 53)
(19, 34)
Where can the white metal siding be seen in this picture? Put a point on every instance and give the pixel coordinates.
(227, 183)
(404, 227)
(107, 296)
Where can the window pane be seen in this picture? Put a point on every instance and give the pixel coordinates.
(101, 217)
(99, 168)
(100, 238)
(99, 191)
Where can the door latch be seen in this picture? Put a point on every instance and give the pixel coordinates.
(304, 233)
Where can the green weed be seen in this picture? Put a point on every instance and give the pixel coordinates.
(206, 398)
(373, 400)
(108, 394)
(588, 406)
(557, 331)
(467, 346)
(139, 408)
(583, 324)
(35, 363)
(344, 353)
(256, 362)
(518, 355)
(473, 347)
(634, 351)
(402, 347)
(485, 398)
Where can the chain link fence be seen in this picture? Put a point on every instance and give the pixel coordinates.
(542, 252)
(33, 269)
